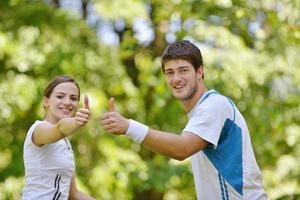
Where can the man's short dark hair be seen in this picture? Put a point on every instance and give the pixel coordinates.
(184, 50)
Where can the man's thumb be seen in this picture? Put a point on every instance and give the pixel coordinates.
(86, 102)
(112, 107)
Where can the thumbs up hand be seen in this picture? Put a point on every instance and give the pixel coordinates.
(82, 116)
(86, 102)
(113, 122)
(111, 103)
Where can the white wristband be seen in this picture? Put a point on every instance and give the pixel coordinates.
(136, 131)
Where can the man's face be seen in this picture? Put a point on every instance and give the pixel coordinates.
(182, 78)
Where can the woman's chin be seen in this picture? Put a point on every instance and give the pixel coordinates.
(65, 115)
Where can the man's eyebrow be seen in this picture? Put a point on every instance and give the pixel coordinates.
(183, 67)
(180, 67)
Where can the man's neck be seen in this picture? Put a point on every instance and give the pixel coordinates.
(188, 105)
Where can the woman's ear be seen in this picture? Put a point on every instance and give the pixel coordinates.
(45, 102)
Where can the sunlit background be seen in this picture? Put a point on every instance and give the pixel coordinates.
(251, 51)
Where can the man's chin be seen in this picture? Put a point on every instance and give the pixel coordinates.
(183, 97)
(180, 97)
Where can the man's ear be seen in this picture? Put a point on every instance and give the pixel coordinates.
(200, 72)
(45, 102)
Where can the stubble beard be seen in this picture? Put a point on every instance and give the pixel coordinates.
(191, 93)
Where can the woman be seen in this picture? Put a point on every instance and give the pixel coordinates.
(48, 156)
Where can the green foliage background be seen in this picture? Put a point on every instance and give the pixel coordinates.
(251, 52)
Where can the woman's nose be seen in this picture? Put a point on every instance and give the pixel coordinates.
(67, 101)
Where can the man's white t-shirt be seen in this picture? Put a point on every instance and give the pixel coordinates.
(226, 169)
(48, 169)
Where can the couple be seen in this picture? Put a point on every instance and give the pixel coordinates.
(216, 136)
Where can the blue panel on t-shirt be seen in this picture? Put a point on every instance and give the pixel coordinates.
(227, 157)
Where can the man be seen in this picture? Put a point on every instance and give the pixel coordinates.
(216, 136)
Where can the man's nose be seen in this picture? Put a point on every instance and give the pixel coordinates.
(176, 77)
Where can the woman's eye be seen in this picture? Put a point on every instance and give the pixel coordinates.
(59, 97)
(74, 98)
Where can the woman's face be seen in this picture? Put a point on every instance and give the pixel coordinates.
(62, 103)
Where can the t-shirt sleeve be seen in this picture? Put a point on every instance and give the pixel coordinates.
(208, 119)
(31, 131)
